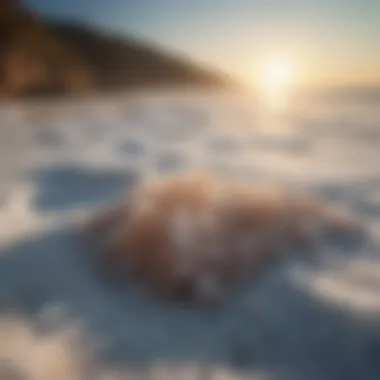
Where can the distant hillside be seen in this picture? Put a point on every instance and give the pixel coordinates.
(34, 61)
(39, 58)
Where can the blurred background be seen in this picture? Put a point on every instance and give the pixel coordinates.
(98, 95)
(50, 47)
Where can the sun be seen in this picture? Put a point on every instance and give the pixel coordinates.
(278, 73)
(275, 77)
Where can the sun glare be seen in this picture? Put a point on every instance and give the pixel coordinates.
(277, 73)
(275, 77)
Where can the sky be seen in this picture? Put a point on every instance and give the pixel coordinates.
(325, 42)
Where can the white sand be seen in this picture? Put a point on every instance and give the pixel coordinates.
(303, 320)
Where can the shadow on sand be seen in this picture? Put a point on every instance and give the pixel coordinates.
(68, 186)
